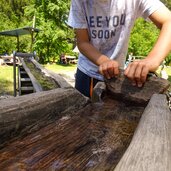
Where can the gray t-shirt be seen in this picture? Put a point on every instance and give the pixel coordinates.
(109, 23)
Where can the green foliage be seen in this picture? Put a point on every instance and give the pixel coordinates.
(143, 36)
(167, 3)
(54, 38)
(55, 35)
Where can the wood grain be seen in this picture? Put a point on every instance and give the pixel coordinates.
(27, 113)
(36, 85)
(150, 148)
(94, 138)
(121, 89)
(62, 83)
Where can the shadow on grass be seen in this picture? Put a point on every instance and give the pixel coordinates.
(6, 87)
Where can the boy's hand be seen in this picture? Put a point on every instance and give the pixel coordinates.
(137, 71)
(109, 68)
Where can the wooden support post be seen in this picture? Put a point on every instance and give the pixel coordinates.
(18, 44)
(14, 73)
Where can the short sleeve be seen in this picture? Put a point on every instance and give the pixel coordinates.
(77, 16)
(147, 7)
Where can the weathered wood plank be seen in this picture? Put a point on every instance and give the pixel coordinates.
(94, 138)
(150, 149)
(121, 89)
(29, 112)
(36, 85)
(58, 79)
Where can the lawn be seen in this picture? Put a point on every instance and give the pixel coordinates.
(6, 75)
(6, 80)
(59, 68)
(168, 70)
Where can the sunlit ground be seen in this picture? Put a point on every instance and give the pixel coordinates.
(61, 67)
(6, 80)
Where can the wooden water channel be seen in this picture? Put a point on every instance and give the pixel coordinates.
(27, 81)
(122, 129)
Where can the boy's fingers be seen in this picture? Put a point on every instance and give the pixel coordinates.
(130, 71)
(109, 69)
(103, 70)
(137, 73)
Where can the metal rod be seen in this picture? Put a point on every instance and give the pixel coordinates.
(18, 44)
(14, 72)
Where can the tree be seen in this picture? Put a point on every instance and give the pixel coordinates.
(143, 37)
(167, 3)
(55, 35)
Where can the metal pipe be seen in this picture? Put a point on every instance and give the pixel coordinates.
(14, 72)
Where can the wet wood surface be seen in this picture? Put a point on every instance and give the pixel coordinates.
(25, 114)
(95, 138)
(150, 149)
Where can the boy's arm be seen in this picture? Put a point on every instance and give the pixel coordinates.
(137, 71)
(107, 67)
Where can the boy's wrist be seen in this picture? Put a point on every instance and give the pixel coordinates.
(153, 62)
(102, 59)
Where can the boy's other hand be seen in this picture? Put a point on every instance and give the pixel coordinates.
(109, 69)
(138, 70)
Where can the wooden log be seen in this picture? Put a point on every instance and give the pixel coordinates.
(121, 89)
(92, 139)
(150, 149)
(36, 85)
(25, 114)
(58, 79)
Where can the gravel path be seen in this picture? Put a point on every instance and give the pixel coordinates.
(69, 76)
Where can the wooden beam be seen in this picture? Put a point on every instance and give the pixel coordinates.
(57, 78)
(24, 114)
(150, 149)
(36, 85)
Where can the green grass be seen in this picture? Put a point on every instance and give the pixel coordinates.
(6, 80)
(60, 67)
(168, 70)
(6, 76)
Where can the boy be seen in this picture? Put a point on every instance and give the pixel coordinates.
(102, 30)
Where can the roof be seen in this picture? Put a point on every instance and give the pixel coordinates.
(19, 31)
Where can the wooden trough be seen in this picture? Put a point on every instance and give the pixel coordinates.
(123, 128)
(29, 71)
